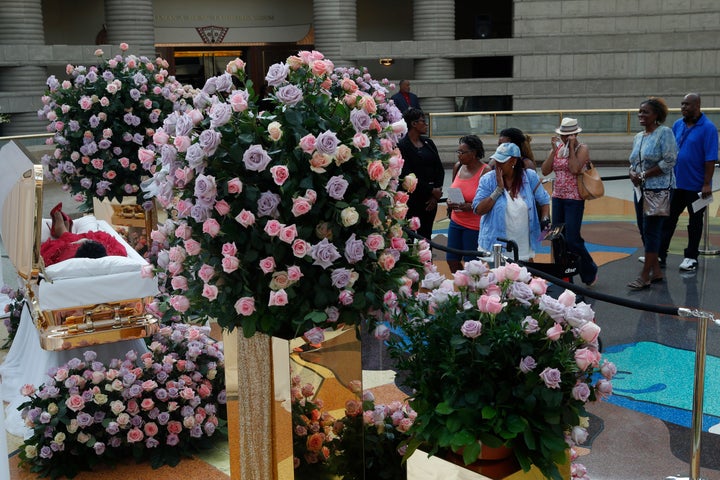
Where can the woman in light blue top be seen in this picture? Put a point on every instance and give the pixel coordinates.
(506, 200)
(651, 168)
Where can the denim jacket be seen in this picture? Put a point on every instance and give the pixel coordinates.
(657, 148)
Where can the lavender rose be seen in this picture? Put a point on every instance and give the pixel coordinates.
(527, 364)
(290, 95)
(195, 157)
(360, 120)
(209, 141)
(354, 249)
(522, 293)
(552, 307)
(336, 187)
(324, 253)
(327, 142)
(340, 277)
(551, 377)
(256, 158)
(267, 204)
(277, 74)
(205, 189)
(220, 114)
(471, 328)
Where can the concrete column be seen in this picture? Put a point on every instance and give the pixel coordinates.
(21, 23)
(335, 23)
(434, 20)
(132, 22)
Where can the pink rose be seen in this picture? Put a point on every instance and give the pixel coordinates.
(222, 207)
(179, 283)
(386, 262)
(301, 248)
(27, 390)
(410, 183)
(174, 427)
(376, 170)
(554, 332)
(361, 140)
(206, 272)
(234, 186)
(245, 218)
(346, 297)
(280, 174)
(210, 291)
(150, 429)
(211, 227)
(589, 332)
(135, 435)
(603, 388)
(567, 298)
(229, 249)
(307, 143)
(300, 206)
(267, 264)
(585, 357)
(147, 404)
(192, 247)
(288, 234)
(512, 271)
(294, 273)
(461, 279)
(180, 303)
(230, 264)
(273, 228)
(375, 242)
(489, 304)
(147, 271)
(183, 231)
(608, 370)
(538, 286)
(75, 403)
(278, 299)
(182, 143)
(245, 306)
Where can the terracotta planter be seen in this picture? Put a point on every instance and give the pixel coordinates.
(494, 463)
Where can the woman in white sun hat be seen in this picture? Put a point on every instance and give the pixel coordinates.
(506, 198)
(567, 158)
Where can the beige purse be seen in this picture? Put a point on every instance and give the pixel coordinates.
(590, 184)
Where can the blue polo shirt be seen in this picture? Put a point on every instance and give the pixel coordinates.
(696, 145)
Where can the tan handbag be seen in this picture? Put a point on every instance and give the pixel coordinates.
(590, 184)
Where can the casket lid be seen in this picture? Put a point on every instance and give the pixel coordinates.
(21, 209)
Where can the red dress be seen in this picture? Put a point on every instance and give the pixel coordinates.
(55, 250)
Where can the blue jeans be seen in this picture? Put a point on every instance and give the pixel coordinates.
(461, 238)
(570, 212)
(650, 228)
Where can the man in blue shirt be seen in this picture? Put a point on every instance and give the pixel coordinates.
(697, 143)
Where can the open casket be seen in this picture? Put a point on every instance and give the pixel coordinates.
(78, 302)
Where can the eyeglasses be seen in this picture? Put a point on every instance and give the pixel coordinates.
(462, 152)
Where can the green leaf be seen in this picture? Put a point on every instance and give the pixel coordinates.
(444, 408)
(488, 412)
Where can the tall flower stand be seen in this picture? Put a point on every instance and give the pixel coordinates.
(422, 467)
(258, 374)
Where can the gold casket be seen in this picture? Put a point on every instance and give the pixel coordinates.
(81, 301)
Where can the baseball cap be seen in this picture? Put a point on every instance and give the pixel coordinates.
(505, 151)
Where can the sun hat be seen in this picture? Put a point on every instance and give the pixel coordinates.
(505, 152)
(568, 126)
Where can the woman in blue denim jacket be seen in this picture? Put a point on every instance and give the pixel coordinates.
(651, 168)
(506, 199)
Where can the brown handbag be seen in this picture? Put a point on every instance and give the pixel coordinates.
(590, 184)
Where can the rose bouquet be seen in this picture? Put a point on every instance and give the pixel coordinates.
(373, 439)
(493, 360)
(13, 310)
(101, 117)
(289, 218)
(316, 437)
(163, 405)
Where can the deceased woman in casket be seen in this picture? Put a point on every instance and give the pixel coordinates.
(63, 244)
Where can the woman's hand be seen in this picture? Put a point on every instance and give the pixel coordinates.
(635, 178)
(499, 178)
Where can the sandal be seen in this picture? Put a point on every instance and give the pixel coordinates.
(638, 284)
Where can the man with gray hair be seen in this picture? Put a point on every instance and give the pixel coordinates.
(697, 144)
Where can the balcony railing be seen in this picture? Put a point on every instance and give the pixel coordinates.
(539, 122)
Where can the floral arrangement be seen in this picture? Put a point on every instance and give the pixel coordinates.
(493, 360)
(13, 310)
(316, 439)
(289, 218)
(373, 439)
(101, 117)
(158, 406)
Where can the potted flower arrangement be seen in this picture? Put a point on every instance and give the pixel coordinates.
(160, 406)
(492, 360)
(289, 218)
(100, 119)
(14, 311)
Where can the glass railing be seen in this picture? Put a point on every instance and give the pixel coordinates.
(539, 122)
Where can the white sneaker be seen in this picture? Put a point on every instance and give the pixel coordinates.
(689, 264)
(641, 259)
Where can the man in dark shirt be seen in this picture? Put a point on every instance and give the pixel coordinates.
(405, 99)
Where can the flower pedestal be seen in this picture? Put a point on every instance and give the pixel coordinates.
(420, 466)
(258, 372)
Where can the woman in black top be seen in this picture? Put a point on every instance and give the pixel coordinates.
(421, 158)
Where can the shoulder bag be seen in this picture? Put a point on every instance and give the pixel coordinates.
(590, 184)
(656, 201)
